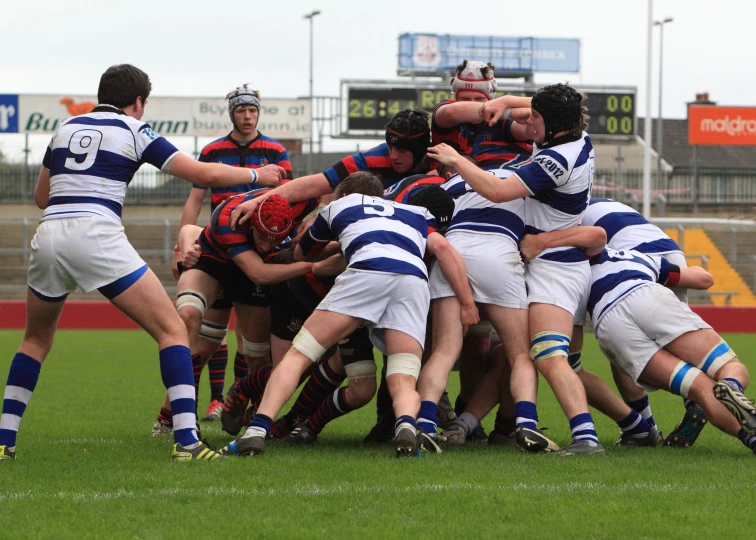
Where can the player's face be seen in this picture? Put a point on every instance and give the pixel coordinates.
(245, 118)
(401, 160)
(536, 123)
(466, 95)
(263, 245)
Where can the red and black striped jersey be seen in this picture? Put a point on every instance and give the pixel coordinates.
(218, 241)
(401, 191)
(257, 153)
(376, 160)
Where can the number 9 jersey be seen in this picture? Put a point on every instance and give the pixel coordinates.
(93, 157)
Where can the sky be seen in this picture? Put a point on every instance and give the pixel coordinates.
(199, 48)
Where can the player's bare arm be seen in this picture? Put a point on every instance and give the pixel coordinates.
(189, 216)
(220, 175)
(453, 114)
(695, 277)
(267, 274)
(495, 110)
(42, 191)
(591, 239)
(487, 185)
(332, 266)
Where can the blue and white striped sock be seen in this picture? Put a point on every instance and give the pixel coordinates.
(22, 379)
(178, 378)
(526, 414)
(405, 422)
(259, 426)
(427, 419)
(642, 407)
(634, 424)
(734, 383)
(583, 429)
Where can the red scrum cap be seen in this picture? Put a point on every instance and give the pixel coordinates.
(273, 218)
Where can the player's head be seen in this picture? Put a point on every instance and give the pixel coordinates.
(408, 138)
(271, 222)
(557, 109)
(437, 201)
(244, 110)
(361, 182)
(447, 171)
(126, 87)
(474, 81)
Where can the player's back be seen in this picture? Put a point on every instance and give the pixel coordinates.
(93, 157)
(626, 228)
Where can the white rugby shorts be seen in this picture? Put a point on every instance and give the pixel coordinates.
(646, 320)
(394, 301)
(494, 269)
(87, 253)
(558, 284)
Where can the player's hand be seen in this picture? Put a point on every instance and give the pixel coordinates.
(443, 153)
(177, 258)
(530, 247)
(270, 175)
(468, 315)
(493, 110)
(192, 256)
(243, 212)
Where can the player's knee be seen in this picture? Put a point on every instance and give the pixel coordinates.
(361, 387)
(682, 378)
(574, 361)
(212, 331)
(403, 364)
(545, 345)
(716, 358)
(189, 298)
(305, 343)
(255, 350)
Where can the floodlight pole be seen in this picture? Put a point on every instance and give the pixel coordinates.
(311, 16)
(647, 122)
(660, 120)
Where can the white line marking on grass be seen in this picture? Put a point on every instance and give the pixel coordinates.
(89, 441)
(352, 489)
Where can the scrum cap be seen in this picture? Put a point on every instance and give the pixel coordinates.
(475, 76)
(559, 104)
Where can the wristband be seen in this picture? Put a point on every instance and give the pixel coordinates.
(507, 114)
(176, 248)
(254, 175)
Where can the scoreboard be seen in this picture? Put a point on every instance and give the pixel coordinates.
(611, 109)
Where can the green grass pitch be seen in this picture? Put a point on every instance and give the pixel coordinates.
(88, 467)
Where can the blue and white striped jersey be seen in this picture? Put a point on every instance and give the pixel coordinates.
(615, 273)
(627, 229)
(559, 179)
(474, 213)
(93, 157)
(376, 234)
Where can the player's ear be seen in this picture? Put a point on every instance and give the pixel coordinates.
(448, 175)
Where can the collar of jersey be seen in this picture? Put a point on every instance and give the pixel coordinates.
(104, 107)
(230, 138)
(570, 137)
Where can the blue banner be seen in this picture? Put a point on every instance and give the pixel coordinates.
(8, 113)
(431, 52)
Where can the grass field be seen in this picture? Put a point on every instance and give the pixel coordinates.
(87, 467)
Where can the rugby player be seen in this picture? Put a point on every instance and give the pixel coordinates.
(383, 243)
(80, 243)
(244, 146)
(557, 184)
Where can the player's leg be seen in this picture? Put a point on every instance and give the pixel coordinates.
(321, 331)
(42, 316)
(473, 367)
(213, 350)
(402, 371)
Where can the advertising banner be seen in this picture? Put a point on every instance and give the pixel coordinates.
(428, 52)
(714, 125)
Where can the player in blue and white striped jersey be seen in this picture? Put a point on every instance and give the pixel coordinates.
(660, 343)
(80, 243)
(384, 285)
(557, 184)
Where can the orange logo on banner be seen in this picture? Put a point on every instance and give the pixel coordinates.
(721, 125)
(75, 109)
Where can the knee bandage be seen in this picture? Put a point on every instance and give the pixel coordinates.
(361, 369)
(192, 298)
(308, 345)
(548, 345)
(682, 379)
(574, 360)
(716, 358)
(212, 332)
(255, 350)
(403, 364)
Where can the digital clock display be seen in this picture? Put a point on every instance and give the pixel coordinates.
(612, 113)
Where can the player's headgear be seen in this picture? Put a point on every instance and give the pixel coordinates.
(559, 104)
(437, 201)
(475, 76)
(410, 130)
(273, 218)
(242, 95)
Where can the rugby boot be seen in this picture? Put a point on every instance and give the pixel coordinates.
(533, 440)
(478, 435)
(232, 416)
(454, 435)
(382, 431)
(283, 426)
(201, 451)
(580, 447)
(688, 430)
(247, 445)
(162, 427)
(427, 443)
(213, 411)
(445, 412)
(497, 438)
(406, 443)
(302, 434)
(740, 406)
(652, 438)
(6, 453)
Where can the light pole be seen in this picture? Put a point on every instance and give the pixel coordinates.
(311, 16)
(647, 122)
(659, 132)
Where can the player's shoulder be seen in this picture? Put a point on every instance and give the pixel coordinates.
(217, 144)
(380, 150)
(270, 142)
